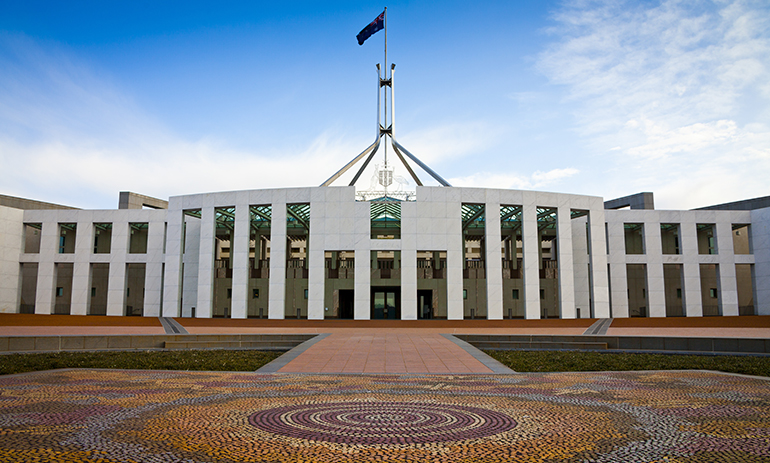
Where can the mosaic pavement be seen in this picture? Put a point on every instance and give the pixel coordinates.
(148, 416)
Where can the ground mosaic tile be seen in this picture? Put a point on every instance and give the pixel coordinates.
(151, 416)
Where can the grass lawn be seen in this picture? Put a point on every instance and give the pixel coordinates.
(200, 360)
(542, 361)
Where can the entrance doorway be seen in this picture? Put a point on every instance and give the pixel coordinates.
(386, 303)
(424, 304)
(346, 304)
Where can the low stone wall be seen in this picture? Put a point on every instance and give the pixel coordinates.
(11, 344)
(626, 343)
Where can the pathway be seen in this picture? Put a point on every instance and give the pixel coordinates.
(385, 351)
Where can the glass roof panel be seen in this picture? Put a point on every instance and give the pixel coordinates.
(546, 218)
(472, 215)
(298, 215)
(385, 212)
(510, 216)
(260, 216)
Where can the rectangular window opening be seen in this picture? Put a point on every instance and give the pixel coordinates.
(67, 236)
(102, 238)
(385, 214)
(32, 235)
(742, 239)
(634, 237)
(138, 238)
(706, 233)
(669, 238)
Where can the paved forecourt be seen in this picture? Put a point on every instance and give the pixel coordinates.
(384, 346)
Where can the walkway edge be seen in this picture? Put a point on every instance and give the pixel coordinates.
(599, 328)
(496, 367)
(284, 359)
(172, 326)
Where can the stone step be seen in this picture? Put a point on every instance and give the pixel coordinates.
(505, 345)
(257, 345)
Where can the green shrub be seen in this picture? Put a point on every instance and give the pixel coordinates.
(198, 360)
(542, 361)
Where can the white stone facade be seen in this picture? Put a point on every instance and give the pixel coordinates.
(180, 268)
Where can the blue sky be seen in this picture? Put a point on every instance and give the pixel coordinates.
(606, 98)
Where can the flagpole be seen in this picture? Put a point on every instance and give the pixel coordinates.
(385, 71)
(385, 64)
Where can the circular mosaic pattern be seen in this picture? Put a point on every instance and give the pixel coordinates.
(382, 422)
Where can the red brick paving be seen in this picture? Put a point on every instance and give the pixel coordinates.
(385, 351)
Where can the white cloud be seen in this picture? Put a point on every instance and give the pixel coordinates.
(68, 136)
(513, 180)
(663, 141)
(666, 90)
(552, 176)
(91, 176)
(443, 143)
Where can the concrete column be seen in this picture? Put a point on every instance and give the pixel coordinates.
(409, 215)
(11, 245)
(154, 268)
(409, 284)
(206, 264)
(81, 268)
(363, 250)
(617, 260)
(580, 265)
(693, 302)
(361, 307)
(565, 263)
(316, 276)
(688, 244)
(277, 297)
(172, 292)
(192, 251)
(494, 261)
(240, 255)
(760, 244)
(531, 252)
(727, 279)
(81, 284)
(454, 261)
(656, 289)
(320, 211)
(116, 288)
(600, 289)
(46, 270)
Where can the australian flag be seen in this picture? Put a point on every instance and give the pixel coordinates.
(377, 25)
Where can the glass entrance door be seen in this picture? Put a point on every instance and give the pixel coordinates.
(386, 303)
(346, 304)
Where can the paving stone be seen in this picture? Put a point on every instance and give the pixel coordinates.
(165, 416)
